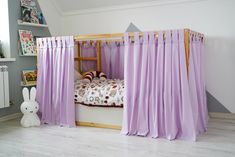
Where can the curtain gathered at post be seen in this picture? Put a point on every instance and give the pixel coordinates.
(161, 100)
(197, 81)
(55, 83)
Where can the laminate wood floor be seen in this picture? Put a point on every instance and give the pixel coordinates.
(55, 141)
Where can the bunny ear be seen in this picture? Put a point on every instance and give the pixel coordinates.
(25, 93)
(33, 94)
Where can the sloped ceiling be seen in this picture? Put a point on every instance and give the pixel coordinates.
(72, 5)
(68, 7)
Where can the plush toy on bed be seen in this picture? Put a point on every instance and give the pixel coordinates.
(89, 76)
(29, 108)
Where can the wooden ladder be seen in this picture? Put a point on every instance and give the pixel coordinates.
(97, 58)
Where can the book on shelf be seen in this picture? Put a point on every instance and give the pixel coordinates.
(30, 13)
(28, 46)
(29, 77)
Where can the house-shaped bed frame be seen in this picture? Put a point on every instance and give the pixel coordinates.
(112, 37)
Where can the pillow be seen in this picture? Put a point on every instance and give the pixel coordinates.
(89, 76)
(77, 75)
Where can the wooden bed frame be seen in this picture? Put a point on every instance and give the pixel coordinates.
(98, 125)
(118, 36)
(115, 37)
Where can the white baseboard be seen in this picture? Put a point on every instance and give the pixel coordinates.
(218, 115)
(211, 114)
(10, 117)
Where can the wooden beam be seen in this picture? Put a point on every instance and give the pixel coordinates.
(98, 125)
(98, 36)
(86, 59)
(186, 44)
(116, 35)
(104, 36)
(79, 55)
(98, 55)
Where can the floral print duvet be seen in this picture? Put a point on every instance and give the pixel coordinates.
(102, 93)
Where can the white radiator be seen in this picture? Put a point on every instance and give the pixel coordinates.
(4, 87)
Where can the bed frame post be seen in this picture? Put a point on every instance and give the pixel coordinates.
(78, 60)
(98, 54)
(186, 44)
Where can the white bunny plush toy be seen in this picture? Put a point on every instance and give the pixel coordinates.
(29, 108)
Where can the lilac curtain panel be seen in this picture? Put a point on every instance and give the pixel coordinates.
(197, 81)
(55, 84)
(88, 50)
(160, 99)
(112, 58)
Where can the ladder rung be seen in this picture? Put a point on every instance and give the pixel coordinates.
(86, 58)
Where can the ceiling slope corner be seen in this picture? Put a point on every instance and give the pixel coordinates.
(57, 7)
(121, 7)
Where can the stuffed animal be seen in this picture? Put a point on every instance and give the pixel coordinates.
(88, 76)
(29, 108)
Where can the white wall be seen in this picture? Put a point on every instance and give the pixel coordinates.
(52, 16)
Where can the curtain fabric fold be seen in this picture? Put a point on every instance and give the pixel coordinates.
(88, 50)
(112, 58)
(160, 99)
(55, 83)
(197, 81)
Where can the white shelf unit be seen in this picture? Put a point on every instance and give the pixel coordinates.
(33, 55)
(7, 59)
(21, 23)
(28, 85)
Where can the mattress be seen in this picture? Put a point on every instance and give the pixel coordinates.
(100, 93)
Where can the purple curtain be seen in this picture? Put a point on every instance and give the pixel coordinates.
(197, 81)
(158, 97)
(55, 84)
(112, 58)
(88, 50)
